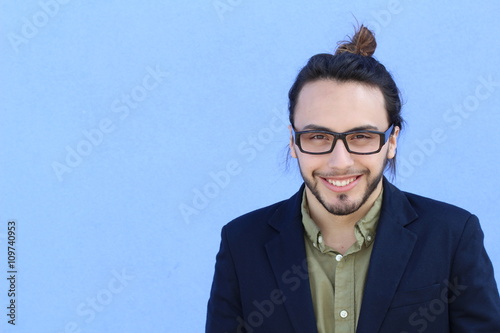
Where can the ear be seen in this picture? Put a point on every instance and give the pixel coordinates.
(393, 143)
(293, 153)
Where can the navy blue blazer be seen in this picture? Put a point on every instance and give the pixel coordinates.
(429, 272)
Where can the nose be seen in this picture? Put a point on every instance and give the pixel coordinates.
(340, 158)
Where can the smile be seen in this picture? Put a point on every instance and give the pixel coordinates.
(341, 183)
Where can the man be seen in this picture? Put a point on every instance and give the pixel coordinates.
(349, 252)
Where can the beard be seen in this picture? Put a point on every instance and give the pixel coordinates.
(346, 205)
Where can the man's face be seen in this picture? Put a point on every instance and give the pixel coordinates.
(340, 181)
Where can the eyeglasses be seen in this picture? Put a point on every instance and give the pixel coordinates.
(356, 142)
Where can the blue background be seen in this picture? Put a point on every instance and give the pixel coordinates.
(131, 132)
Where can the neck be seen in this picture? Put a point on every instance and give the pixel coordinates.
(338, 230)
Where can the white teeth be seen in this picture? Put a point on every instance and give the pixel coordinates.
(341, 183)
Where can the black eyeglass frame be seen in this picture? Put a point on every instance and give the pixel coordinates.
(384, 136)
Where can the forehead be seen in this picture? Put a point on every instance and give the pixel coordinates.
(340, 106)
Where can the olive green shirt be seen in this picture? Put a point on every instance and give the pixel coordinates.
(337, 281)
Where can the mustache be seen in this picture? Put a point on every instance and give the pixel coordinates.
(334, 173)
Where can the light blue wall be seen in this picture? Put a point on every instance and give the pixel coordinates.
(116, 115)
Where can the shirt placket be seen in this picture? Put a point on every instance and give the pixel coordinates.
(344, 294)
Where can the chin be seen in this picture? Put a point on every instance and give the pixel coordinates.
(343, 205)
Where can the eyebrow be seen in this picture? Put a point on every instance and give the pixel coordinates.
(314, 127)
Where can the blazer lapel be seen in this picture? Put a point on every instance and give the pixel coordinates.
(391, 251)
(287, 255)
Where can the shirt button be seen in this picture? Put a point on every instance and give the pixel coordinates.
(338, 257)
(369, 238)
(320, 239)
(344, 313)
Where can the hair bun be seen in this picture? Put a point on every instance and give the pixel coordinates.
(363, 43)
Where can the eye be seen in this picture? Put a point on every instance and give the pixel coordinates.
(360, 136)
(318, 137)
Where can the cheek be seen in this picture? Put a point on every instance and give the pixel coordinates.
(308, 164)
(374, 163)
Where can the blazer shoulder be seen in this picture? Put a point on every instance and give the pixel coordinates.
(417, 207)
(436, 208)
(440, 216)
(273, 217)
(254, 217)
